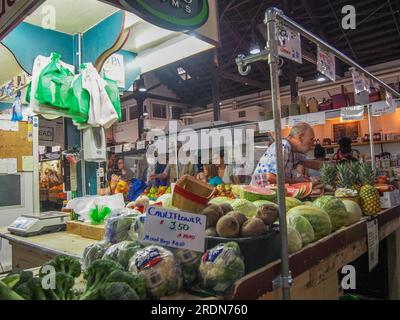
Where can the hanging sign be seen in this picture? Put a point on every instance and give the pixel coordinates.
(175, 229)
(352, 113)
(373, 244)
(316, 119)
(12, 12)
(382, 107)
(326, 64)
(289, 44)
(390, 101)
(114, 69)
(177, 15)
(361, 82)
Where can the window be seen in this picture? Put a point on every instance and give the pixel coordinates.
(242, 114)
(176, 113)
(133, 113)
(123, 115)
(159, 111)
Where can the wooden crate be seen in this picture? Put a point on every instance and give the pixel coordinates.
(86, 230)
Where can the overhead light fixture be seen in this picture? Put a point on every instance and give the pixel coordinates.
(145, 114)
(321, 79)
(254, 45)
(142, 87)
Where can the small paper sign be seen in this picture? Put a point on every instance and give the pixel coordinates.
(381, 108)
(289, 44)
(390, 101)
(269, 126)
(373, 244)
(315, 119)
(352, 113)
(118, 149)
(326, 64)
(175, 229)
(127, 147)
(293, 120)
(140, 145)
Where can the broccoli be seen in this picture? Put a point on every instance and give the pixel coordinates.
(96, 276)
(65, 264)
(119, 291)
(134, 281)
(25, 285)
(7, 293)
(63, 289)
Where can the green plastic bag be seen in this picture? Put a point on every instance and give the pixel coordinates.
(79, 102)
(54, 84)
(28, 93)
(113, 93)
(97, 216)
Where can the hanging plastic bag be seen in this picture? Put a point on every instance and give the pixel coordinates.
(97, 215)
(80, 101)
(113, 93)
(17, 109)
(54, 84)
(136, 189)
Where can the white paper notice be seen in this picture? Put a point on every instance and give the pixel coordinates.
(352, 113)
(127, 147)
(7, 125)
(289, 44)
(293, 120)
(174, 229)
(12, 166)
(380, 108)
(326, 64)
(373, 244)
(3, 166)
(27, 163)
(315, 119)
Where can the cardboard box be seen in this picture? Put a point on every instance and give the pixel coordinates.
(390, 199)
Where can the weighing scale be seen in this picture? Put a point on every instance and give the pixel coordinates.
(46, 222)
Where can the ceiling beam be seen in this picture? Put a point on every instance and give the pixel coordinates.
(243, 80)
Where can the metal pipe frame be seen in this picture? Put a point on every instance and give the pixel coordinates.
(285, 280)
(316, 40)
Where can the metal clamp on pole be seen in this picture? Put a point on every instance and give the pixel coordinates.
(283, 282)
(243, 62)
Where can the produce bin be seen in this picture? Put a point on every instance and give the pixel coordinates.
(257, 251)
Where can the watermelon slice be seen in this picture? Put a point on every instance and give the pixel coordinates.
(304, 189)
(254, 193)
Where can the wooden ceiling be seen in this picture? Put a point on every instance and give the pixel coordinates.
(375, 40)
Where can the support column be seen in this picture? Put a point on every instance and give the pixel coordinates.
(140, 105)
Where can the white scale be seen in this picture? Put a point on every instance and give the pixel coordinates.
(46, 222)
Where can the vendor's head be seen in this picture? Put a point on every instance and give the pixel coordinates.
(302, 137)
(345, 145)
(120, 164)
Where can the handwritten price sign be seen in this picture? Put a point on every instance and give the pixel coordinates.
(175, 229)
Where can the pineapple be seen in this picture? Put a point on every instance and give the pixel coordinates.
(346, 180)
(369, 195)
(328, 176)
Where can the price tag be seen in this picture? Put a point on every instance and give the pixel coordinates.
(175, 229)
(352, 113)
(373, 243)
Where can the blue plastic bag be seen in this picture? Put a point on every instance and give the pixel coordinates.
(136, 189)
(17, 109)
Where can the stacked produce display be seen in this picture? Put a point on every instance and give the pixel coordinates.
(238, 218)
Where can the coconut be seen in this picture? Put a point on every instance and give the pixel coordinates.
(226, 208)
(253, 228)
(211, 232)
(213, 213)
(240, 217)
(268, 214)
(228, 227)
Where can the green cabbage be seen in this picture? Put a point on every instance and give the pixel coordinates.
(245, 206)
(122, 252)
(94, 252)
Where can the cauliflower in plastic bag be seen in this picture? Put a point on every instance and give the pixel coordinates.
(160, 270)
(122, 252)
(221, 267)
(189, 261)
(94, 252)
(118, 226)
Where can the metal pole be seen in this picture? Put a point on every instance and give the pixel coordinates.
(83, 164)
(313, 38)
(273, 58)
(371, 140)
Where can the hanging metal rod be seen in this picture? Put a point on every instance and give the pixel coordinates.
(243, 62)
(341, 56)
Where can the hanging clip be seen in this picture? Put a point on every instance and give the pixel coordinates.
(243, 68)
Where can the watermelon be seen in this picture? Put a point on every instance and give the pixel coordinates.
(292, 203)
(336, 210)
(308, 203)
(294, 240)
(299, 190)
(317, 217)
(260, 203)
(303, 227)
(354, 211)
(221, 200)
(254, 193)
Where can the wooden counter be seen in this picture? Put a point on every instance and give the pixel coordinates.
(30, 252)
(315, 268)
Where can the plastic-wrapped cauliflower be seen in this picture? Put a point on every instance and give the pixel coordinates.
(118, 226)
(221, 267)
(122, 252)
(94, 252)
(160, 270)
(189, 261)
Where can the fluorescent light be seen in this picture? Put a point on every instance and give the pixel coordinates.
(145, 114)
(321, 79)
(255, 50)
(143, 89)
